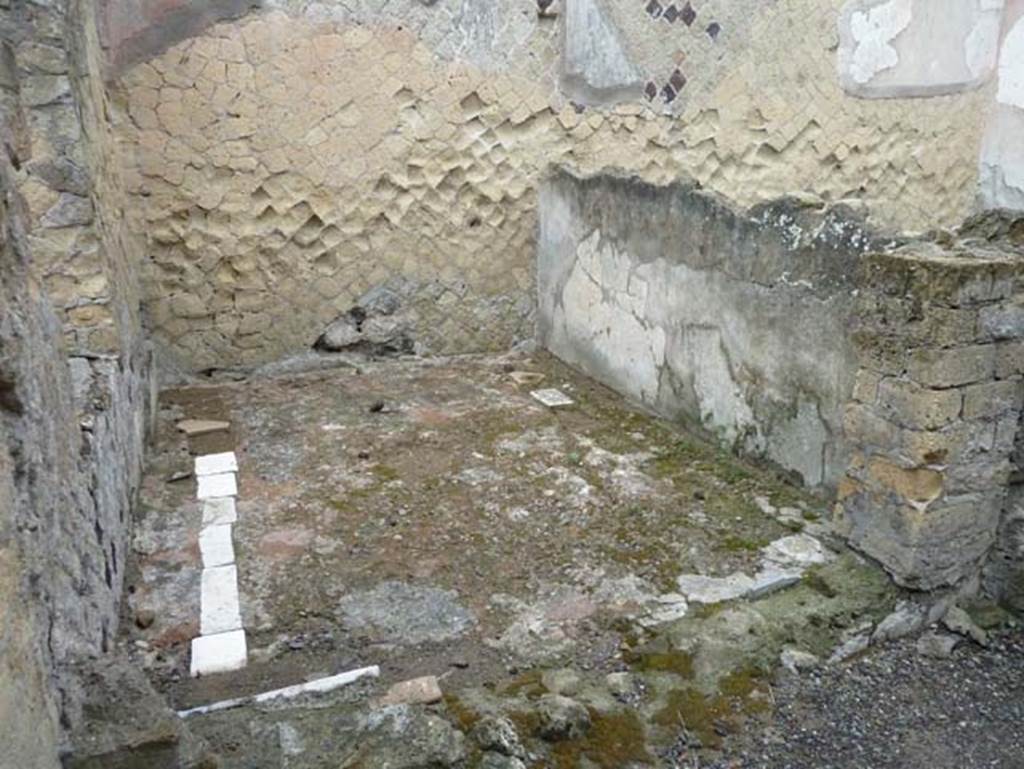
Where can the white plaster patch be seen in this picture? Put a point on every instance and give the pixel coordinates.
(982, 43)
(216, 546)
(604, 303)
(873, 32)
(593, 53)
(220, 485)
(1011, 69)
(219, 608)
(219, 510)
(220, 653)
(214, 464)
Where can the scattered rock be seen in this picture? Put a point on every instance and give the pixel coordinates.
(700, 589)
(621, 684)
(377, 407)
(797, 661)
(144, 618)
(958, 621)
(497, 734)
(796, 551)
(561, 681)
(526, 378)
(196, 427)
(561, 718)
(850, 648)
(498, 761)
(375, 327)
(771, 580)
(417, 691)
(552, 398)
(405, 737)
(181, 475)
(906, 620)
(937, 645)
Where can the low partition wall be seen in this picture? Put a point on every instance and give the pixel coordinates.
(884, 373)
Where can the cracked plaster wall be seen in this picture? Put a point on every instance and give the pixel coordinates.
(735, 322)
(287, 162)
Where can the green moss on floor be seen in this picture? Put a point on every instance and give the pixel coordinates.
(613, 741)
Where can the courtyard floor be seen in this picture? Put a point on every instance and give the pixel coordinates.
(434, 519)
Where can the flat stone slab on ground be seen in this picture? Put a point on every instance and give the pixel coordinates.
(219, 510)
(219, 653)
(552, 398)
(214, 464)
(216, 546)
(195, 427)
(701, 589)
(219, 610)
(220, 485)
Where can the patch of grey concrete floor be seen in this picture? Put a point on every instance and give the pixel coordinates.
(399, 613)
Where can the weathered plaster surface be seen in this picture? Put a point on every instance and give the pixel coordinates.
(287, 163)
(1002, 153)
(733, 322)
(899, 48)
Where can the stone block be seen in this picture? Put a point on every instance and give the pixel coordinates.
(214, 464)
(952, 367)
(219, 510)
(220, 485)
(1009, 359)
(216, 546)
(219, 607)
(917, 485)
(219, 653)
(910, 405)
(992, 399)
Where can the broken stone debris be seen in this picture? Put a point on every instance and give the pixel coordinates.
(196, 427)
(959, 621)
(493, 733)
(417, 691)
(937, 645)
(798, 661)
(552, 398)
(907, 619)
(561, 718)
(526, 378)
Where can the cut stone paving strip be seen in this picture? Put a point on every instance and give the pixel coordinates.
(219, 608)
(219, 653)
(219, 510)
(214, 464)
(220, 485)
(216, 546)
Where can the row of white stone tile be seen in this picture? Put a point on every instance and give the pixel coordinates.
(221, 645)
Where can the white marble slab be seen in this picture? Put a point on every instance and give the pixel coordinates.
(552, 398)
(214, 464)
(219, 510)
(319, 686)
(219, 608)
(220, 653)
(219, 485)
(216, 546)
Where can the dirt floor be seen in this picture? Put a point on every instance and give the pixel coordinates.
(434, 519)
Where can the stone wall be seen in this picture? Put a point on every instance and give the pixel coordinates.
(288, 162)
(935, 415)
(733, 321)
(889, 373)
(74, 371)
